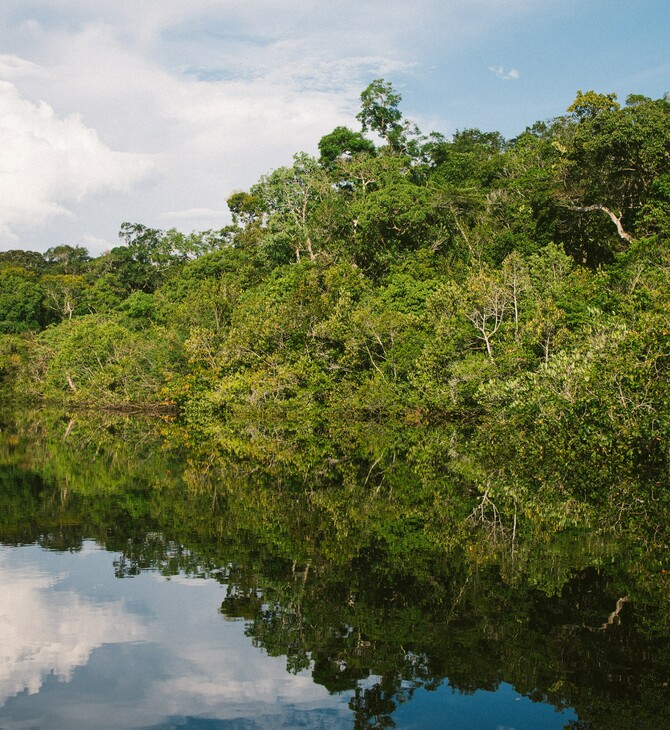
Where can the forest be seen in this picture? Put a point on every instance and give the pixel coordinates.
(503, 303)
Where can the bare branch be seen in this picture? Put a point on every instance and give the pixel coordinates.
(613, 217)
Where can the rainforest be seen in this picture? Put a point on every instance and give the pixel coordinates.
(515, 290)
(415, 372)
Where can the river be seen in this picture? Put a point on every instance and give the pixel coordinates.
(144, 584)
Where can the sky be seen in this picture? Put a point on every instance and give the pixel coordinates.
(155, 111)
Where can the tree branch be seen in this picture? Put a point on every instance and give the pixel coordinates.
(613, 217)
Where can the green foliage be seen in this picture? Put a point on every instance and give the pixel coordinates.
(21, 301)
(391, 220)
(97, 360)
(472, 157)
(67, 259)
(29, 260)
(615, 165)
(516, 287)
(380, 112)
(587, 105)
(64, 294)
(342, 141)
(13, 355)
(246, 207)
(139, 308)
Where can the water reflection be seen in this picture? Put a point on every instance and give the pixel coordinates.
(143, 584)
(48, 629)
(83, 649)
(157, 651)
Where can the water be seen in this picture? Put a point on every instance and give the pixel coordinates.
(82, 648)
(142, 587)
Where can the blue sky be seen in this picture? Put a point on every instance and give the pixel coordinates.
(155, 111)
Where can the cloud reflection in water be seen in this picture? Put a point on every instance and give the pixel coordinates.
(142, 648)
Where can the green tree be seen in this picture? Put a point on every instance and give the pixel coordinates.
(343, 141)
(21, 301)
(28, 260)
(380, 114)
(588, 105)
(486, 305)
(390, 221)
(63, 294)
(290, 195)
(67, 259)
(95, 359)
(471, 157)
(246, 208)
(613, 163)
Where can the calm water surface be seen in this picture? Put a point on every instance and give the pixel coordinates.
(82, 648)
(144, 584)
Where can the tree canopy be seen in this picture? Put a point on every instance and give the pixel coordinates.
(517, 287)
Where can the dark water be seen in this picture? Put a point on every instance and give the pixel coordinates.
(141, 587)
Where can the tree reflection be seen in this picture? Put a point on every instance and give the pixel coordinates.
(357, 584)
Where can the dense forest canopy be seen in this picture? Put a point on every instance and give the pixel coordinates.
(519, 288)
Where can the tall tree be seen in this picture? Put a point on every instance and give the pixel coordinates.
(380, 113)
(615, 159)
(290, 194)
(67, 259)
(29, 260)
(587, 105)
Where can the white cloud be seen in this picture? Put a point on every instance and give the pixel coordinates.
(212, 93)
(192, 217)
(46, 162)
(13, 66)
(500, 72)
(205, 136)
